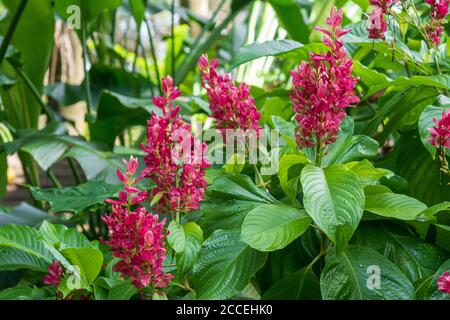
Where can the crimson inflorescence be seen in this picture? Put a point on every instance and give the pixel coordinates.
(323, 88)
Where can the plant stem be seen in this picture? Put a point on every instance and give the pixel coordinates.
(319, 153)
(75, 174)
(53, 178)
(33, 90)
(172, 30)
(152, 50)
(87, 77)
(12, 27)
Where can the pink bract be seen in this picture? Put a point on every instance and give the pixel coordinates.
(232, 106)
(440, 134)
(54, 275)
(323, 88)
(175, 160)
(444, 282)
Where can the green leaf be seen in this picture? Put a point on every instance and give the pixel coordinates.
(176, 237)
(353, 276)
(416, 258)
(414, 163)
(225, 266)
(15, 259)
(16, 293)
(24, 214)
(291, 19)
(257, 50)
(426, 121)
(93, 8)
(289, 170)
(433, 291)
(34, 39)
(334, 198)
(26, 239)
(300, 285)
(187, 259)
(429, 213)
(286, 129)
(367, 173)
(138, 10)
(116, 112)
(394, 205)
(348, 147)
(89, 260)
(229, 199)
(76, 199)
(272, 227)
(59, 236)
(122, 290)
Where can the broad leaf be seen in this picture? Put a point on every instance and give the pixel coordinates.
(272, 227)
(88, 260)
(225, 266)
(257, 50)
(176, 237)
(300, 285)
(334, 198)
(289, 170)
(416, 258)
(394, 205)
(361, 273)
(194, 239)
(76, 199)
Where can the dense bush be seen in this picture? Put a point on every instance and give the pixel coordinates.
(310, 165)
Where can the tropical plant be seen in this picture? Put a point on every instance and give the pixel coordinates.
(308, 159)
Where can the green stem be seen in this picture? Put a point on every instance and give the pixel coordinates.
(33, 90)
(53, 178)
(319, 153)
(172, 30)
(75, 174)
(87, 77)
(205, 28)
(196, 52)
(153, 53)
(12, 27)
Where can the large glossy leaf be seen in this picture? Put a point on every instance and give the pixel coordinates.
(76, 199)
(414, 163)
(392, 205)
(257, 50)
(88, 260)
(272, 227)
(25, 239)
(349, 147)
(289, 170)
(15, 259)
(225, 266)
(426, 122)
(33, 37)
(229, 199)
(352, 276)
(116, 112)
(300, 285)
(176, 237)
(194, 239)
(291, 19)
(60, 236)
(416, 258)
(334, 198)
(24, 214)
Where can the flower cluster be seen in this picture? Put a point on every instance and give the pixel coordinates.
(175, 160)
(136, 236)
(439, 9)
(377, 19)
(54, 275)
(323, 88)
(440, 134)
(232, 107)
(444, 282)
